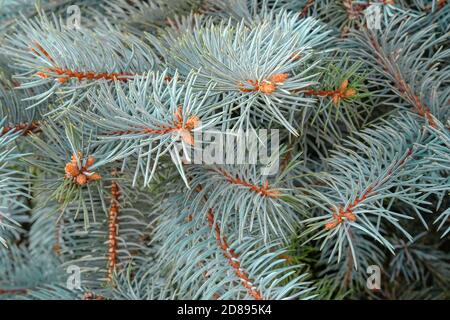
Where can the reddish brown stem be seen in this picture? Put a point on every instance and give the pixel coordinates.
(264, 190)
(92, 296)
(12, 291)
(233, 258)
(112, 229)
(25, 128)
(66, 74)
(404, 88)
(305, 9)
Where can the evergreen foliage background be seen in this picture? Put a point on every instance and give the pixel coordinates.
(90, 118)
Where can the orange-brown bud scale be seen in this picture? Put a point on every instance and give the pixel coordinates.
(81, 179)
(279, 78)
(94, 177)
(348, 214)
(184, 131)
(72, 170)
(80, 175)
(266, 86)
(336, 95)
(90, 161)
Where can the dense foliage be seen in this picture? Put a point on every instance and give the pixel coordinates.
(99, 99)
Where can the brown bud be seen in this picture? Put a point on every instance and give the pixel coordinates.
(90, 161)
(72, 170)
(192, 122)
(186, 136)
(42, 75)
(343, 86)
(279, 78)
(94, 177)
(81, 179)
(267, 87)
(336, 99)
(350, 92)
(331, 225)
